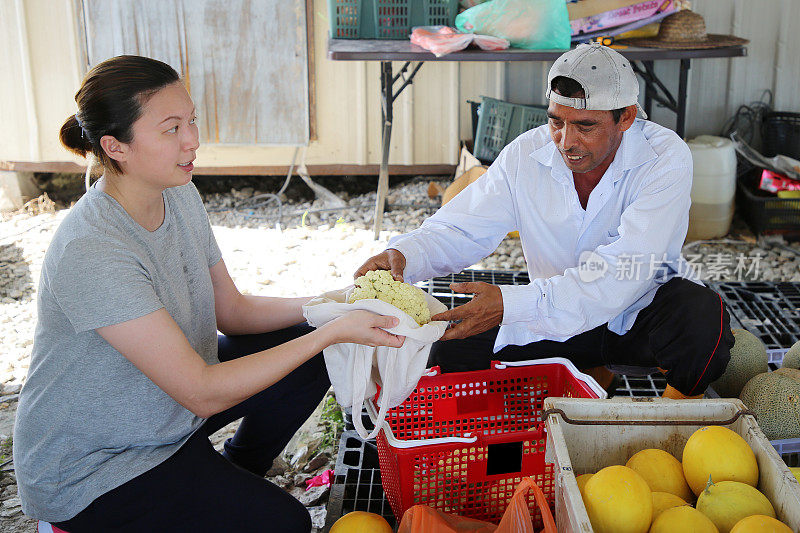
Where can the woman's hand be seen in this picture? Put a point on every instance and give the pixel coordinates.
(363, 327)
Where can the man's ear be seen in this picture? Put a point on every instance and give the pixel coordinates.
(113, 148)
(627, 118)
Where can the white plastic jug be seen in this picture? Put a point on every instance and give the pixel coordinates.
(713, 187)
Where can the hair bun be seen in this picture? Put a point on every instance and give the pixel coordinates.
(74, 137)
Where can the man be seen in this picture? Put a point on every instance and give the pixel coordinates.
(601, 202)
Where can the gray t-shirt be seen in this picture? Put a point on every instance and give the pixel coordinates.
(88, 420)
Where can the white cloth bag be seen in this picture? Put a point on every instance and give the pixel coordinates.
(355, 369)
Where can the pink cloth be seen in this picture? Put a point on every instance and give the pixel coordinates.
(488, 42)
(443, 40)
(325, 478)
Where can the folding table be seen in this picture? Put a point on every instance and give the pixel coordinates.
(386, 51)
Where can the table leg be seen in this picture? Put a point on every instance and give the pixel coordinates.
(387, 104)
(648, 98)
(656, 90)
(680, 128)
(388, 96)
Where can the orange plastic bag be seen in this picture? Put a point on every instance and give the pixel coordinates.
(424, 519)
(516, 519)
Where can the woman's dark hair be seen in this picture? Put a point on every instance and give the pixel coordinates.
(110, 100)
(572, 89)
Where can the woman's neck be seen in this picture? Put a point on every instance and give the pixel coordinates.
(144, 204)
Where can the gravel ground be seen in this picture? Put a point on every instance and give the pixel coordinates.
(300, 247)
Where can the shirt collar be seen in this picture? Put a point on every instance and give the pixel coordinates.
(633, 151)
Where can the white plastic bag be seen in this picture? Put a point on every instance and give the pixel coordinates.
(355, 369)
(440, 40)
(471, 3)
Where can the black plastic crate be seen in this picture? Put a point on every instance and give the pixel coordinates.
(763, 211)
(651, 386)
(769, 310)
(439, 288)
(780, 132)
(357, 481)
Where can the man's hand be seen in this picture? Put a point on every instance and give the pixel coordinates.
(391, 260)
(483, 312)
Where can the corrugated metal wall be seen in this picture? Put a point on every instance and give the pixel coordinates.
(430, 117)
(719, 86)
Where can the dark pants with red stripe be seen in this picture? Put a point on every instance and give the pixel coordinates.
(685, 331)
(200, 490)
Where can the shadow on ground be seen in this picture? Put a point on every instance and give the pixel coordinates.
(65, 189)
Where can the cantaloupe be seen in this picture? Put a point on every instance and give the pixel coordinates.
(791, 359)
(682, 519)
(727, 502)
(663, 501)
(748, 358)
(661, 471)
(618, 500)
(718, 452)
(775, 398)
(760, 524)
(361, 522)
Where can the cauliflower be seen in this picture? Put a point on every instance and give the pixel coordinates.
(381, 285)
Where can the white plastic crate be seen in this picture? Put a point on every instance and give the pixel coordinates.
(789, 450)
(575, 449)
(775, 355)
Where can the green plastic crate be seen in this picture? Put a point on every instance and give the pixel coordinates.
(387, 19)
(501, 122)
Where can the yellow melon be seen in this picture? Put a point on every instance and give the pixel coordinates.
(361, 522)
(582, 479)
(683, 519)
(727, 502)
(663, 501)
(661, 471)
(718, 452)
(760, 524)
(795, 472)
(618, 500)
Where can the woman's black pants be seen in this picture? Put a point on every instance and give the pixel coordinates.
(685, 331)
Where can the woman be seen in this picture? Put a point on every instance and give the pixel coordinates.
(125, 381)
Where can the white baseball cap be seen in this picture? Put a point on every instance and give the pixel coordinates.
(607, 79)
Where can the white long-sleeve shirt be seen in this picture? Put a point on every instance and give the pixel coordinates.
(587, 267)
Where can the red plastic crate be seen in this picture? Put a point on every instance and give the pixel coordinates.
(463, 441)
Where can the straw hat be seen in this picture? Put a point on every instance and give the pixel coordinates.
(686, 30)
